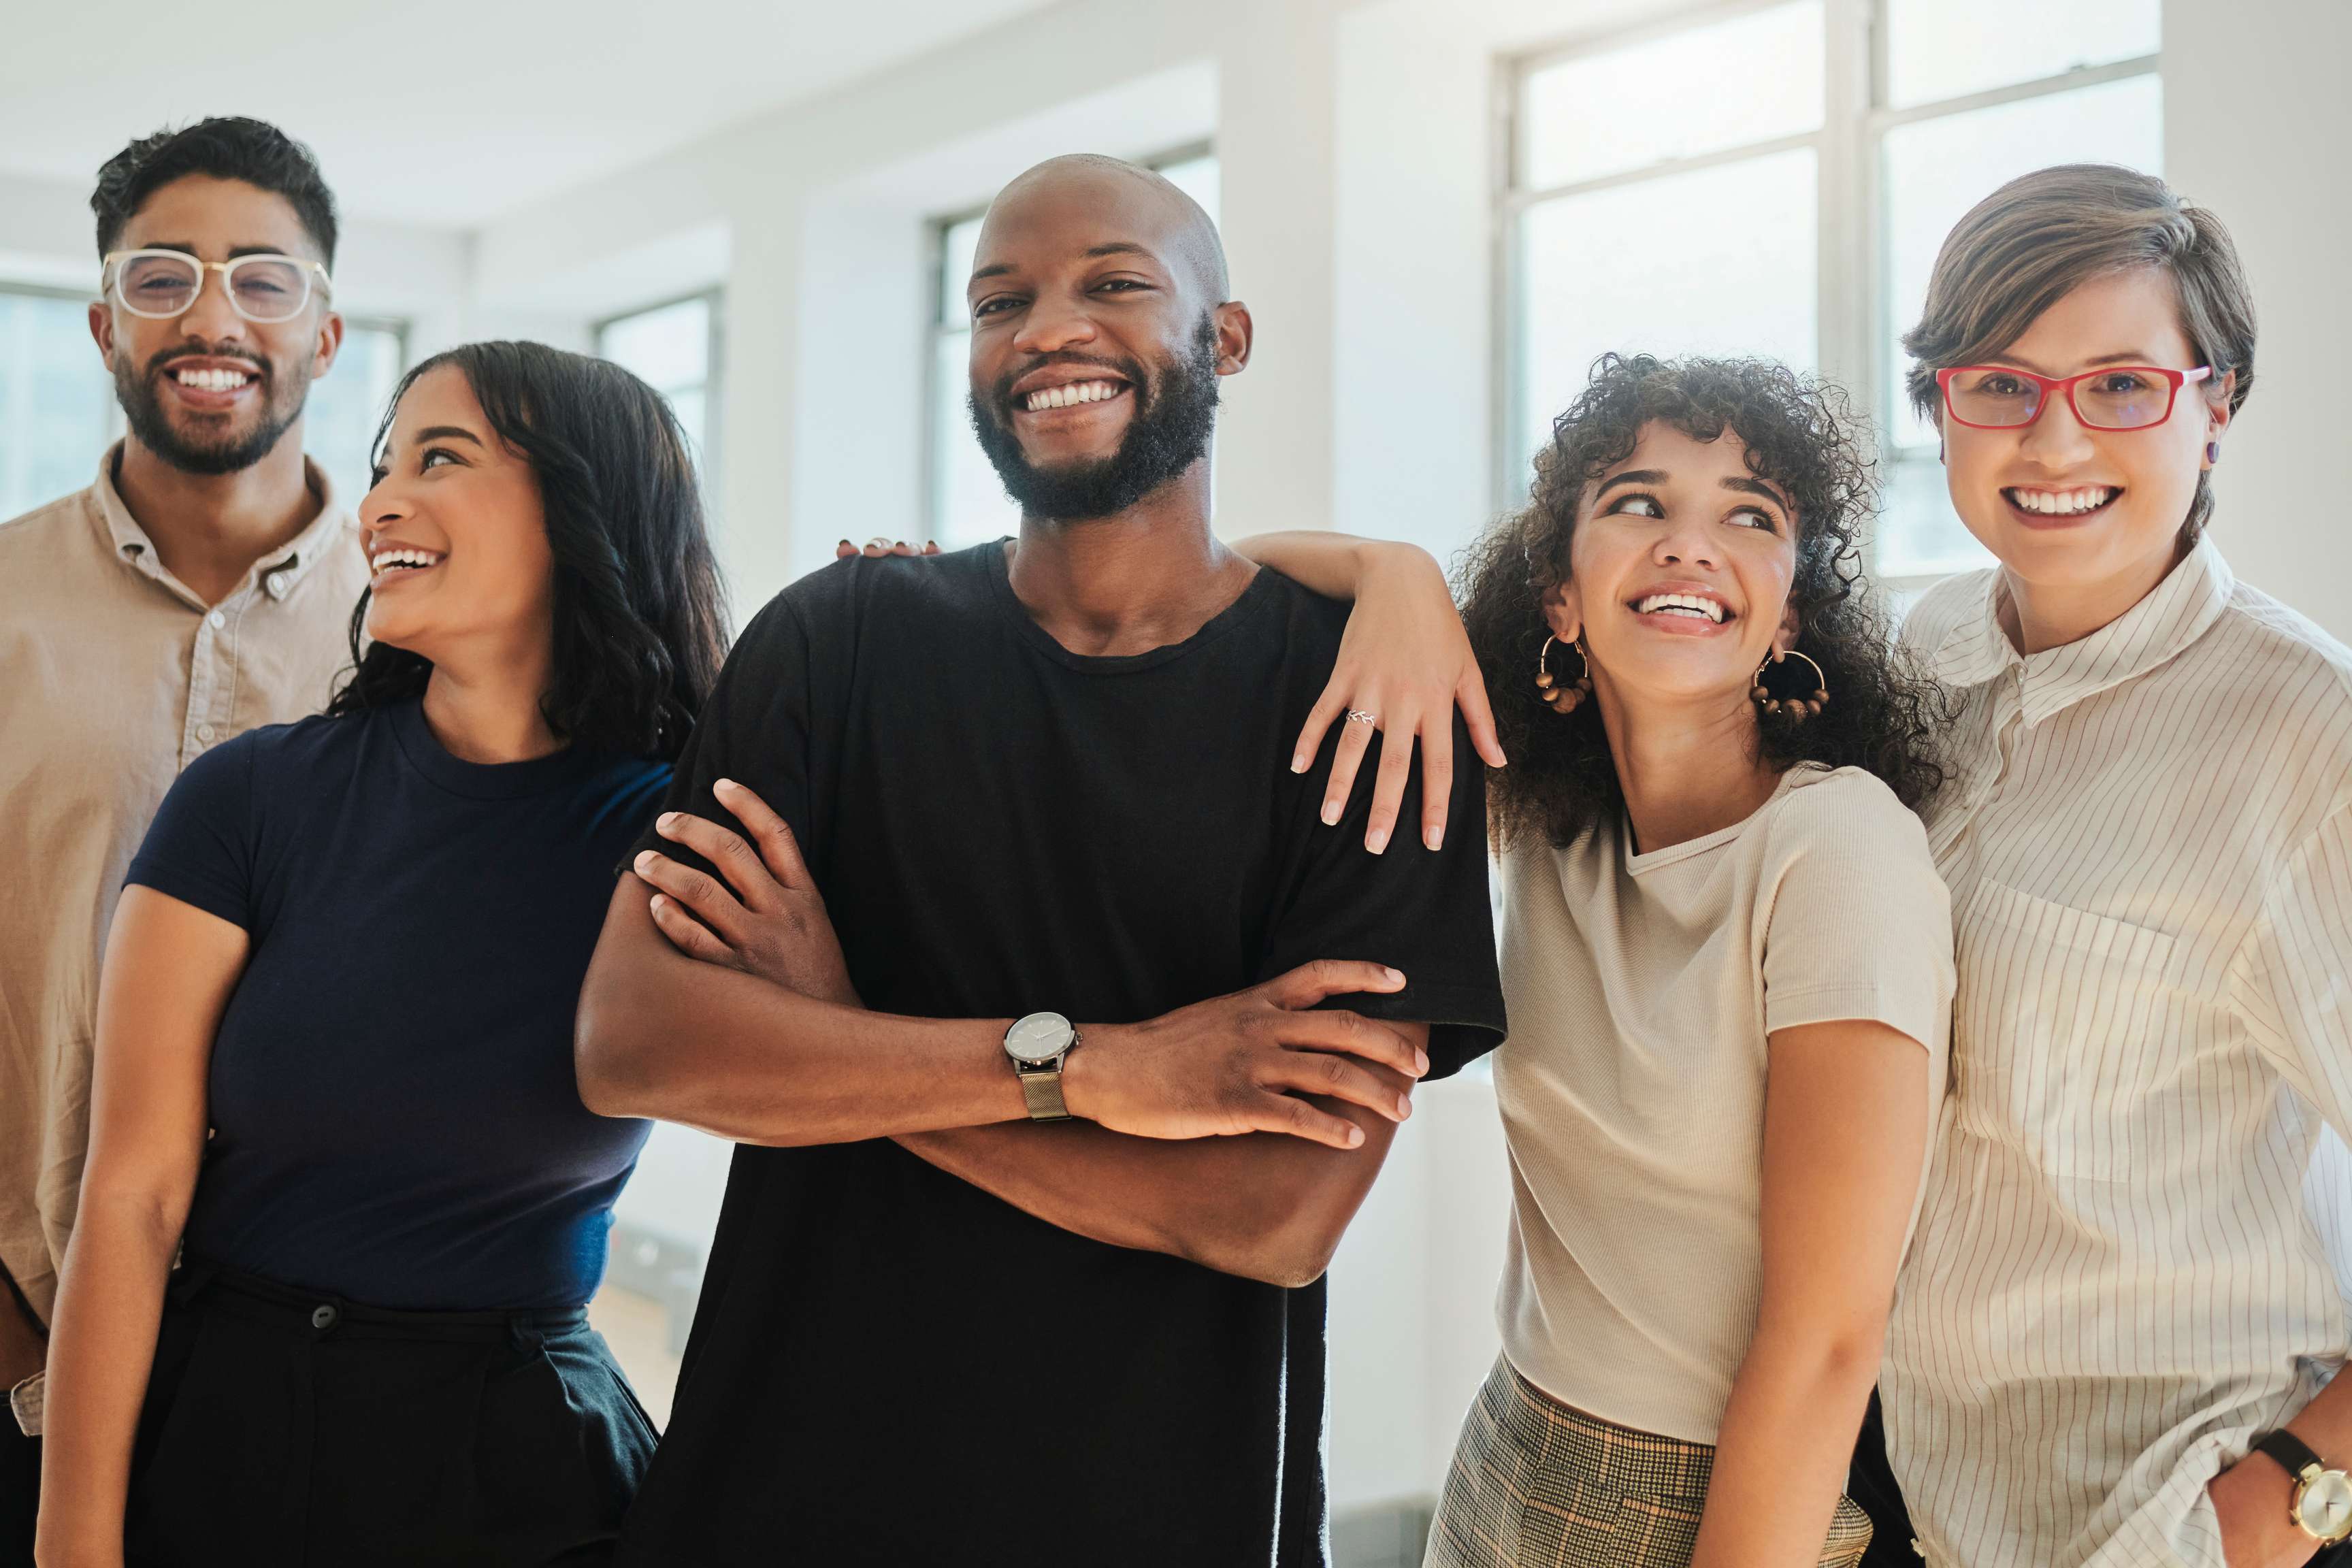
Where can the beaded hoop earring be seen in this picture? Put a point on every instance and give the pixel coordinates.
(1800, 708)
(1564, 699)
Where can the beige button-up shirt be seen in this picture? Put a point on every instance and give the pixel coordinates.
(113, 677)
(2131, 1259)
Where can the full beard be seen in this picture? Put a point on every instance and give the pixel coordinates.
(227, 452)
(1175, 415)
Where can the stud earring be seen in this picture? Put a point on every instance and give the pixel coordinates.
(1800, 707)
(2212, 453)
(1563, 699)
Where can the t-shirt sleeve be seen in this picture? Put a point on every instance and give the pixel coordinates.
(1426, 913)
(201, 847)
(754, 729)
(1861, 925)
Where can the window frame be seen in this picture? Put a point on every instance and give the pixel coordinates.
(714, 369)
(1854, 301)
(936, 230)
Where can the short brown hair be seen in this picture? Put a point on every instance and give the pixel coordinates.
(2036, 239)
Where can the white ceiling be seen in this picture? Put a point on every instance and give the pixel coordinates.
(441, 111)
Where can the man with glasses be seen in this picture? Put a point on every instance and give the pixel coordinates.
(202, 587)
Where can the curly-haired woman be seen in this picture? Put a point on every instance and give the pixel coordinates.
(1728, 959)
(334, 1036)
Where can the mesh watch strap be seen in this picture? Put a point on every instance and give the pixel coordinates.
(1042, 1088)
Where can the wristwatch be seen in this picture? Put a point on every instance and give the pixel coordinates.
(1038, 1044)
(2321, 1503)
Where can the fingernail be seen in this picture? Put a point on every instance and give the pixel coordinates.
(1434, 839)
(656, 902)
(1330, 812)
(1404, 1107)
(1421, 1064)
(726, 783)
(667, 820)
(1355, 1135)
(645, 858)
(1396, 976)
(1377, 839)
(1299, 764)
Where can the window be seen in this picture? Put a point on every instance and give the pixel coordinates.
(57, 401)
(966, 503)
(674, 348)
(58, 414)
(1775, 179)
(347, 405)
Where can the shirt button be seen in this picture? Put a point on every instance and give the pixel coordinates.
(203, 731)
(217, 619)
(277, 586)
(322, 1317)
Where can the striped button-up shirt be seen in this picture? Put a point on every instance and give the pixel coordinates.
(2140, 1210)
(113, 677)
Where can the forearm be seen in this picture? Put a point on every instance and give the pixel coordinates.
(2251, 1498)
(1331, 565)
(664, 1036)
(1781, 1454)
(1264, 1206)
(102, 1348)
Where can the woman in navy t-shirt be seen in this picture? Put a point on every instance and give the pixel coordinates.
(334, 1039)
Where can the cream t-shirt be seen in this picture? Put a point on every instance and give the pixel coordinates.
(1642, 989)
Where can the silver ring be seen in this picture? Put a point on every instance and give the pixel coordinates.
(1357, 716)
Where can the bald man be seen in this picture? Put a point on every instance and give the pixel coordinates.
(1012, 1000)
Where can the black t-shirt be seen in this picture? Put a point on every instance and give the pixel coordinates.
(891, 1365)
(397, 1120)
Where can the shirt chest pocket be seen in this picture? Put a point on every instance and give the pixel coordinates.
(2059, 1030)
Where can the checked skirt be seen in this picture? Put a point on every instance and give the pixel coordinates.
(1538, 1484)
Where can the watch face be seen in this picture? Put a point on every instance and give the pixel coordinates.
(1039, 1038)
(2324, 1508)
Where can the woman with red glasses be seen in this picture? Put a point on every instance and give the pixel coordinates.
(2116, 1336)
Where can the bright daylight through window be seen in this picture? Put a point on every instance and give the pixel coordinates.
(1775, 181)
(967, 506)
(674, 348)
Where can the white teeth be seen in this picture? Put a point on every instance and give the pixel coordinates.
(1680, 603)
(2063, 503)
(1067, 396)
(386, 560)
(206, 379)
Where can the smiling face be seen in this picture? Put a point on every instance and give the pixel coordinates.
(1679, 571)
(208, 390)
(2079, 510)
(456, 535)
(1098, 334)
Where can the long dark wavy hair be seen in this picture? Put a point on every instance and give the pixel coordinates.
(1883, 714)
(640, 616)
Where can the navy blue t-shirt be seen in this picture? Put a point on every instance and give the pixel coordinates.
(394, 1115)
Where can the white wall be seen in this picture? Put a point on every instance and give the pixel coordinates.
(2258, 127)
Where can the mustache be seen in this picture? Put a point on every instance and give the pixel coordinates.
(1126, 369)
(156, 361)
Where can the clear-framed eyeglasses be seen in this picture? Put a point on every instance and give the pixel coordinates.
(160, 284)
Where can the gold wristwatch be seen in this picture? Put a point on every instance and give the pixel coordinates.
(2321, 1503)
(1038, 1045)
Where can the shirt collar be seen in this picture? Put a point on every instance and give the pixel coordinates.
(2175, 613)
(278, 573)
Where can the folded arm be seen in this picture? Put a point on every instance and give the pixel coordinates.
(170, 970)
(1263, 1206)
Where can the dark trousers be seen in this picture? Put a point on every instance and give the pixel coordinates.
(288, 1427)
(20, 1491)
(1871, 1483)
